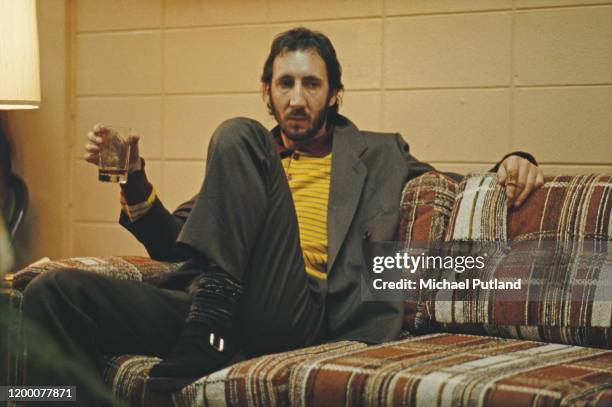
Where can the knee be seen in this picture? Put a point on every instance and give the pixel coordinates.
(49, 284)
(35, 293)
(239, 126)
(238, 132)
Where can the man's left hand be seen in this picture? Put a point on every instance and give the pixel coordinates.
(520, 177)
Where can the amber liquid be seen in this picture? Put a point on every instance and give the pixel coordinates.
(112, 175)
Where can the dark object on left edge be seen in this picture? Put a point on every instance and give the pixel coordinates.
(13, 191)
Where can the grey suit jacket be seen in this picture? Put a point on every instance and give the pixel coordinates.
(368, 173)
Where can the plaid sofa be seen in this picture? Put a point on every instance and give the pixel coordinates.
(544, 350)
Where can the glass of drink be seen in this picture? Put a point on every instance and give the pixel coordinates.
(114, 154)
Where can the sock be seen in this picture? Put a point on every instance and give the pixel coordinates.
(215, 301)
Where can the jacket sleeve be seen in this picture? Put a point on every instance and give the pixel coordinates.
(417, 167)
(521, 154)
(158, 230)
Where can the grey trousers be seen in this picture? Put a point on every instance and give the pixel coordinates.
(244, 221)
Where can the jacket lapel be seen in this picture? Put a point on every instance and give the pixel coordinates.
(348, 175)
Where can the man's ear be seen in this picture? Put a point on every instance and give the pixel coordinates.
(333, 99)
(266, 93)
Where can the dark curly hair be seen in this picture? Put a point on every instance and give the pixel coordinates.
(301, 39)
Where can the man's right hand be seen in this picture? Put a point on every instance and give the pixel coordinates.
(92, 148)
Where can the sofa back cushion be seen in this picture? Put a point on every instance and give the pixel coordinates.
(425, 209)
(426, 205)
(566, 208)
(558, 242)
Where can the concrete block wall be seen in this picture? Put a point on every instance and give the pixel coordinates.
(464, 81)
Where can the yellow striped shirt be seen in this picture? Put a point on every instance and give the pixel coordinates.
(308, 178)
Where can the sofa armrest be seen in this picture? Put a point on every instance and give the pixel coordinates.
(425, 207)
(121, 267)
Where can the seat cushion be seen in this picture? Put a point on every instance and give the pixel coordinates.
(452, 370)
(262, 381)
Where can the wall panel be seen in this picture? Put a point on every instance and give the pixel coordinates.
(464, 81)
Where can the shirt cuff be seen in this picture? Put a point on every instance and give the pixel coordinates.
(137, 189)
(138, 210)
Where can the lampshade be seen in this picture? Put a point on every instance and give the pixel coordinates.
(19, 73)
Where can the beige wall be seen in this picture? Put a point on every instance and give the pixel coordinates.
(40, 143)
(463, 80)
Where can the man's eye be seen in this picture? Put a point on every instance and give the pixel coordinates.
(311, 84)
(286, 84)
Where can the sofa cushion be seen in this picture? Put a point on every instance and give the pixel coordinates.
(425, 207)
(452, 370)
(127, 268)
(556, 250)
(565, 208)
(262, 381)
(565, 297)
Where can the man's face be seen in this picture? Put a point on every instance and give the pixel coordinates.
(299, 94)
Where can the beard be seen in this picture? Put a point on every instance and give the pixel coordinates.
(301, 135)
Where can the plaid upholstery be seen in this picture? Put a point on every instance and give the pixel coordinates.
(563, 299)
(127, 376)
(425, 210)
(565, 208)
(456, 370)
(128, 268)
(479, 211)
(426, 205)
(262, 381)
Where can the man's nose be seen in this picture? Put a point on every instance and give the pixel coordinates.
(297, 97)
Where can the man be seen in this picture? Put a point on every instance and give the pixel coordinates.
(273, 241)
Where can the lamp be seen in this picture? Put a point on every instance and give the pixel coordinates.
(19, 61)
(19, 81)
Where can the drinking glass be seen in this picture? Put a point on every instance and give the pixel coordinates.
(114, 154)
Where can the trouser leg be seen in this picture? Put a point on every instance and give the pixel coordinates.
(244, 221)
(88, 316)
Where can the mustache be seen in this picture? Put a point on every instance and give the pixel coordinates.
(298, 114)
